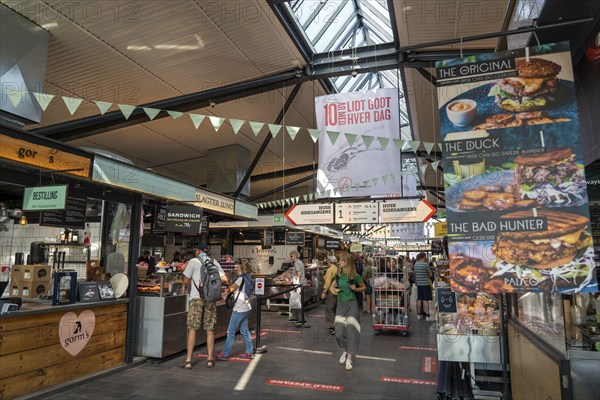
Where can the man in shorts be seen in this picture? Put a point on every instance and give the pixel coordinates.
(200, 312)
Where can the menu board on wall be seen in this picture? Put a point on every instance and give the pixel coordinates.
(516, 194)
(187, 219)
(73, 216)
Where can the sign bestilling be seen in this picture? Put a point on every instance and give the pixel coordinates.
(515, 188)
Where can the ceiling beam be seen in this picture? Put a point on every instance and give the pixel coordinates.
(280, 188)
(263, 147)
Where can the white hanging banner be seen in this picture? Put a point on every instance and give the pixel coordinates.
(216, 122)
(126, 110)
(256, 126)
(43, 99)
(236, 124)
(196, 119)
(292, 131)
(274, 129)
(103, 106)
(72, 103)
(345, 163)
(151, 112)
(175, 114)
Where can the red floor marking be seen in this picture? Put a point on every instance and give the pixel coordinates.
(262, 333)
(305, 385)
(230, 358)
(429, 365)
(407, 380)
(417, 348)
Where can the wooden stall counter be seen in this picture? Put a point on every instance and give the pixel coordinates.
(42, 346)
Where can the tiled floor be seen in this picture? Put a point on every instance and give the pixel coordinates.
(299, 363)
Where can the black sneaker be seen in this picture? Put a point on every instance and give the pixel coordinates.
(293, 320)
(331, 328)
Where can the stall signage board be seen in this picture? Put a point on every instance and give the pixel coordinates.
(73, 216)
(44, 157)
(440, 229)
(294, 238)
(214, 202)
(186, 219)
(519, 222)
(310, 214)
(592, 177)
(268, 238)
(246, 210)
(446, 300)
(45, 198)
(405, 210)
(332, 244)
(356, 213)
(356, 248)
(160, 213)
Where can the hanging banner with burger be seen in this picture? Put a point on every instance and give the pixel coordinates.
(518, 217)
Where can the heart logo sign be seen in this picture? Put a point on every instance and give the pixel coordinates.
(75, 331)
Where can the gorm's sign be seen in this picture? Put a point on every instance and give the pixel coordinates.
(43, 156)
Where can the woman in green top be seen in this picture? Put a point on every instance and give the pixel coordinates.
(347, 316)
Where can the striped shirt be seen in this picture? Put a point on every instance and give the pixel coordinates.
(421, 269)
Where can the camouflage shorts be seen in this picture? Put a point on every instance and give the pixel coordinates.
(201, 313)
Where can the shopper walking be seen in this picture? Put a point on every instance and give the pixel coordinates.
(424, 295)
(330, 293)
(242, 290)
(347, 316)
(200, 312)
(298, 278)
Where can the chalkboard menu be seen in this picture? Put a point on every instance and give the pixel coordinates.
(160, 214)
(294, 238)
(73, 216)
(185, 219)
(446, 300)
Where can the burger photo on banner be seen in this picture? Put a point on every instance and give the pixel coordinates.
(518, 217)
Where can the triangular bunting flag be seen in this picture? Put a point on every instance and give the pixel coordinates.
(305, 197)
(399, 144)
(428, 146)
(72, 103)
(256, 127)
(367, 140)
(103, 106)
(335, 191)
(216, 122)
(292, 131)
(274, 129)
(424, 168)
(350, 138)
(333, 136)
(314, 134)
(126, 110)
(296, 199)
(393, 176)
(151, 112)
(440, 146)
(365, 183)
(375, 180)
(174, 114)
(15, 97)
(43, 99)
(383, 141)
(384, 179)
(311, 196)
(236, 124)
(196, 119)
(434, 165)
(414, 145)
(326, 193)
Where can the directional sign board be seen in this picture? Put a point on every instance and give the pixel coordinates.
(356, 213)
(309, 214)
(405, 211)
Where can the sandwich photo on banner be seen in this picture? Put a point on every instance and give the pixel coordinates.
(365, 116)
(516, 194)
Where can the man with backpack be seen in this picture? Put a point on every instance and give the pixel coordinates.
(206, 276)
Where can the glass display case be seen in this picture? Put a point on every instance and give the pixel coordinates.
(471, 334)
